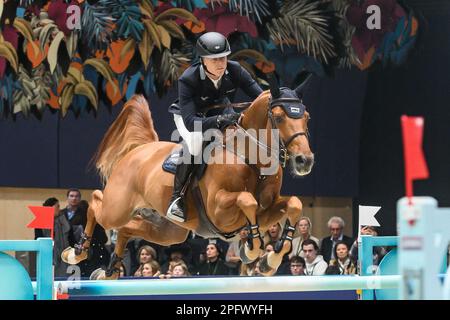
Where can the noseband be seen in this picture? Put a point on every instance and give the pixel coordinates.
(284, 145)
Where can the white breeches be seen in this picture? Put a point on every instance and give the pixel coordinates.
(193, 140)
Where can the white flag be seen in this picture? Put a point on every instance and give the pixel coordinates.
(367, 216)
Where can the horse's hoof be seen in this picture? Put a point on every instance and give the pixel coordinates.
(264, 268)
(69, 256)
(100, 274)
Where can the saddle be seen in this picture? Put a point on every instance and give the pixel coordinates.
(172, 160)
(205, 227)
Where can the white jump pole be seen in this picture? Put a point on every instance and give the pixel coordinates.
(225, 285)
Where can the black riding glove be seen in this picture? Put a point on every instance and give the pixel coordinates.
(225, 120)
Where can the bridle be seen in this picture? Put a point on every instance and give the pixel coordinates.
(284, 145)
(283, 154)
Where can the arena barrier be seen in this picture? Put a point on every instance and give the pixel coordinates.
(225, 285)
(422, 244)
(15, 283)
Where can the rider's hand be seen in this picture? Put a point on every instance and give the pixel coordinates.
(225, 120)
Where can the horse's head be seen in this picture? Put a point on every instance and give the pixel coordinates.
(288, 114)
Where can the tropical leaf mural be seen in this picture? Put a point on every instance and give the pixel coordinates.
(113, 48)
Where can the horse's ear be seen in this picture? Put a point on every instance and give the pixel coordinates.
(273, 82)
(305, 76)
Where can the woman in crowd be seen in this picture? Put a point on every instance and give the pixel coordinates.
(343, 264)
(145, 255)
(304, 230)
(151, 269)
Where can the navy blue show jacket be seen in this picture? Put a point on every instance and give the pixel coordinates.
(197, 93)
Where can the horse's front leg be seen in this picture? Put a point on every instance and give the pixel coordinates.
(292, 207)
(247, 203)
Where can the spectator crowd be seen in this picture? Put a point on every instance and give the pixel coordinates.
(336, 254)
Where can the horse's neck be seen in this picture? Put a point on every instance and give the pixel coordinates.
(255, 119)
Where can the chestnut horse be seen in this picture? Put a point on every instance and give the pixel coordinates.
(137, 189)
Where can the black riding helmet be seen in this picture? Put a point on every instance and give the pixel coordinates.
(213, 45)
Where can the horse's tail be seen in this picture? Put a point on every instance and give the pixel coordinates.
(132, 128)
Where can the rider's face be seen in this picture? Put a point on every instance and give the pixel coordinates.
(216, 66)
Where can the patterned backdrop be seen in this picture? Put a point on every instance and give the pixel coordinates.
(68, 55)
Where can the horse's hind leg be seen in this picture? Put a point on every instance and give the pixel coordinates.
(292, 207)
(113, 270)
(80, 252)
(158, 230)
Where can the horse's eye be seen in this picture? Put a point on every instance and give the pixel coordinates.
(278, 120)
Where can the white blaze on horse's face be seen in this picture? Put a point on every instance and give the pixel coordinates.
(300, 156)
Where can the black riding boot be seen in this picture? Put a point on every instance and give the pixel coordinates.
(176, 207)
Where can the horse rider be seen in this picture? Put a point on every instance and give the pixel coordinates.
(209, 82)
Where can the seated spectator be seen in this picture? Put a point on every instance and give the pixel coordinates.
(273, 234)
(131, 256)
(214, 264)
(297, 266)
(257, 271)
(315, 265)
(336, 226)
(62, 236)
(233, 258)
(197, 245)
(269, 247)
(151, 269)
(250, 269)
(176, 253)
(378, 252)
(304, 230)
(180, 269)
(343, 264)
(145, 255)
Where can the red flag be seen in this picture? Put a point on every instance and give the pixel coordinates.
(62, 296)
(44, 218)
(415, 164)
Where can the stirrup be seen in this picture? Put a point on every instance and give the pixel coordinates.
(173, 216)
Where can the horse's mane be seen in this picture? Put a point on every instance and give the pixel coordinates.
(132, 128)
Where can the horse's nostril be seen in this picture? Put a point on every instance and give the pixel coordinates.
(300, 160)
